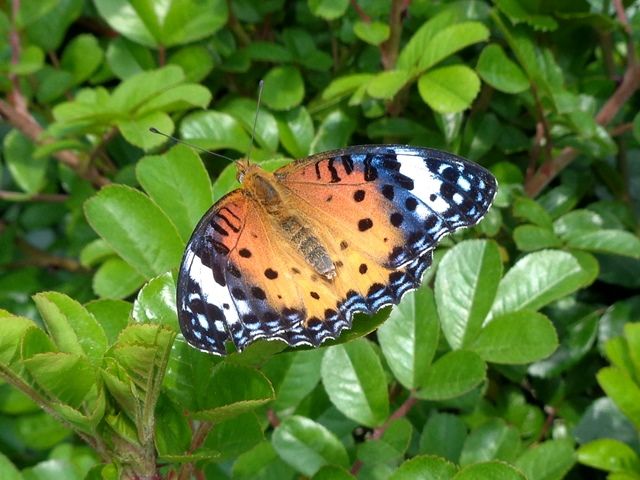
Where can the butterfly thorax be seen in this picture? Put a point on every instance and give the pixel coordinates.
(275, 199)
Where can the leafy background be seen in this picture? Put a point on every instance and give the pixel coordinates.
(520, 356)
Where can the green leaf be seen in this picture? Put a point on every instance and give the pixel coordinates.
(623, 390)
(532, 237)
(283, 88)
(296, 131)
(355, 382)
(52, 84)
(13, 328)
(94, 252)
(135, 368)
(374, 33)
(293, 375)
(532, 211)
(452, 375)
(425, 467)
(332, 472)
(489, 471)
(31, 11)
(516, 338)
(586, 230)
(500, 71)
(616, 242)
(334, 132)
(126, 58)
(517, 12)
(409, 337)
(483, 135)
(71, 326)
(48, 30)
(465, 288)
(538, 279)
(30, 61)
(437, 39)
(449, 89)
(450, 40)
(328, 9)
(346, 85)
(610, 455)
(156, 302)
(27, 171)
(386, 84)
(179, 184)
(550, 460)
(388, 450)
(136, 91)
(136, 130)
(8, 471)
(576, 341)
(116, 279)
(172, 433)
(51, 469)
(136, 229)
(269, 52)
(52, 371)
(266, 128)
(175, 24)
(82, 56)
(636, 127)
(307, 445)
(235, 436)
(176, 98)
(112, 315)
(230, 391)
(195, 61)
(261, 463)
(493, 440)
(214, 130)
(443, 435)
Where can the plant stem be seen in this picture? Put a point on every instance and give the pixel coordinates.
(377, 433)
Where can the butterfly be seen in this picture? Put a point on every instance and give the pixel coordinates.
(294, 254)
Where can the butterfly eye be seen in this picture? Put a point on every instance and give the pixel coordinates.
(241, 168)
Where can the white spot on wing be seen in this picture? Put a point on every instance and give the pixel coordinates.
(214, 293)
(439, 204)
(202, 319)
(464, 184)
(425, 183)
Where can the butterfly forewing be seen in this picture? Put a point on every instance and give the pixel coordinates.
(378, 212)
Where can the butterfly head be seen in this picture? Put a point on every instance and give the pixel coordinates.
(260, 184)
(242, 167)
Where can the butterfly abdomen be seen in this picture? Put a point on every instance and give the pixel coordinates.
(307, 245)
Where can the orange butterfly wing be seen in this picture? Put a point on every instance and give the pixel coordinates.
(378, 212)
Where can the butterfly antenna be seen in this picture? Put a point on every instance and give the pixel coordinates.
(196, 147)
(255, 119)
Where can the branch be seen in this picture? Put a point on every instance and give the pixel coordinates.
(37, 197)
(389, 49)
(198, 438)
(361, 13)
(21, 119)
(377, 433)
(17, 114)
(542, 142)
(629, 85)
(43, 259)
